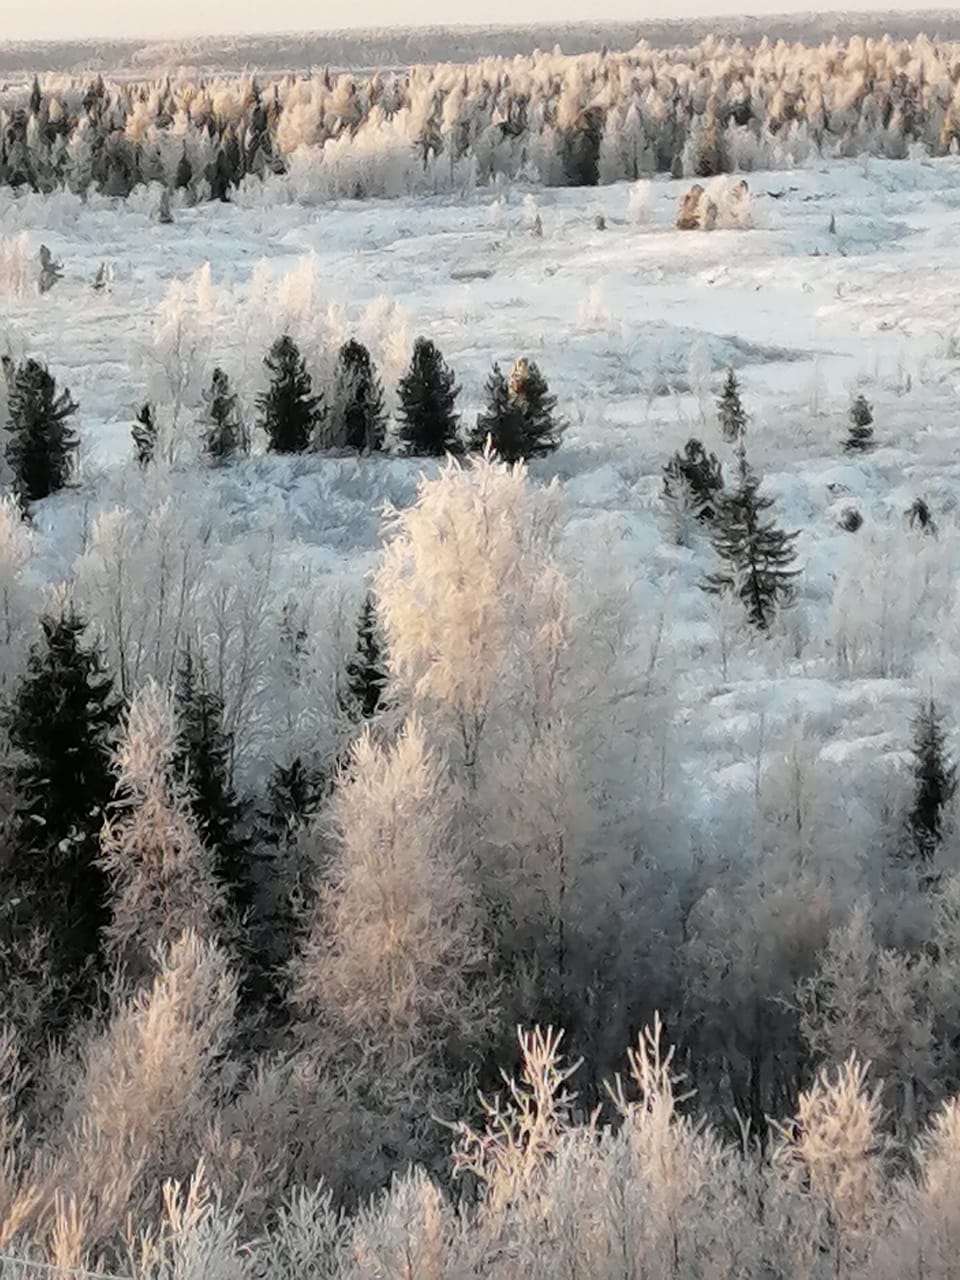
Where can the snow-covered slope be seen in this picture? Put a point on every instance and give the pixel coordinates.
(619, 320)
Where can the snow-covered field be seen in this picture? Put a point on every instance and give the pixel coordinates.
(619, 320)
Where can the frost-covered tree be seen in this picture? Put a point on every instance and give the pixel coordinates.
(427, 394)
(144, 433)
(224, 436)
(758, 554)
(469, 596)
(42, 444)
(935, 779)
(395, 934)
(733, 419)
(61, 725)
(289, 411)
(356, 419)
(860, 437)
(160, 873)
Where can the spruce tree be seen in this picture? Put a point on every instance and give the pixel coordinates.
(501, 421)
(519, 416)
(289, 411)
(358, 400)
(62, 725)
(429, 422)
(144, 432)
(542, 427)
(733, 419)
(225, 435)
(42, 443)
(861, 426)
(366, 674)
(759, 555)
(203, 759)
(935, 781)
(701, 472)
(293, 797)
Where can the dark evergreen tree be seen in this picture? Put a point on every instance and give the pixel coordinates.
(62, 725)
(203, 759)
(366, 674)
(519, 417)
(42, 443)
(289, 411)
(935, 778)
(759, 556)
(294, 792)
(429, 422)
(542, 427)
(144, 432)
(861, 426)
(225, 435)
(701, 472)
(921, 517)
(733, 419)
(501, 421)
(361, 422)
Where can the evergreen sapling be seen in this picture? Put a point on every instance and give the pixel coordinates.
(366, 674)
(860, 437)
(733, 419)
(759, 556)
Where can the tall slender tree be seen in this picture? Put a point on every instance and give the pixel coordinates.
(203, 759)
(359, 418)
(366, 672)
(289, 410)
(42, 444)
(935, 779)
(759, 556)
(62, 726)
(733, 418)
(225, 435)
(429, 422)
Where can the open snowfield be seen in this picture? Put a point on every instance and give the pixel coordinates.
(615, 318)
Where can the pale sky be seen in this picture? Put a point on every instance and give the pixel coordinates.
(67, 19)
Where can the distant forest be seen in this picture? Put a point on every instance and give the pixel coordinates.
(392, 48)
(602, 117)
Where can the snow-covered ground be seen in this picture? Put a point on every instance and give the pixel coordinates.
(617, 319)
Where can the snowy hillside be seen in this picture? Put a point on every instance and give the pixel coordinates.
(620, 320)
